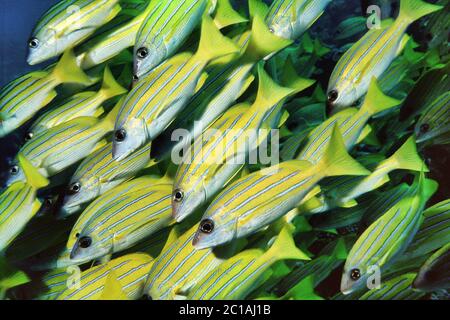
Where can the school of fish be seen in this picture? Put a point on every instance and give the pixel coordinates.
(230, 150)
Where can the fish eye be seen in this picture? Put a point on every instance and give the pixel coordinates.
(85, 242)
(207, 226)
(29, 136)
(355, 274)
(120, 135)
(333, 95)
(178, 195)
(14, 170)
(424, 128)
(135, 77)
(272, 30)
(142, 52)
(33, 43)
(74, 188)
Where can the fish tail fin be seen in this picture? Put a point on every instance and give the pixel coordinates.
(226, 16)
(262, 42)
(427, 187)
(284, 248)
(68, 71)
(376, 101)
(290, 78)
(412, 10)
(110, 87)
(257, 7)
(407, 158)
(110, 119)
(269, 92)
(34, 178)
(336, 161)
(212, 43)
(340, 250)
(304, 290)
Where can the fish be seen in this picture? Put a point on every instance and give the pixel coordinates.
(383, 202)
(131, 273)
(117, 37)
(397, 288)
(351, 121)
(371, 55)
(434, 121)
(226, 82)
(434, 274)
(99, 173)
(40, 233)
(387, 238)
(121, 222)
(336, 218)
(166, 26)
(236, 277)
(88, 104)
(291, 18)
(344, 191)
(317, 268)
(433, 232)
(18, 204)
(22, 98)
(66, 24)
(224, 148)
(55, 149)
(438, 27)
(260, 198)
(179, 267)
(157, 99)
(351, 27)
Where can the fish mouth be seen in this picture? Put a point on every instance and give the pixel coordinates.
(346, 287)
(67, 211)
(196, 242)
(117, 155)
(31, 61)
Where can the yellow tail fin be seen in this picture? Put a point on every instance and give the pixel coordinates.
(212, 43)
(336, 161)
(67, 70)
(110, 88)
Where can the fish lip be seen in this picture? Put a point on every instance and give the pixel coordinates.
(66, 211)
(196, 242)
(73, 252)
(178, 216)
(31, 61)
(346, 288)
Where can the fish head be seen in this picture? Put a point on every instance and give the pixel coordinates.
(282, 27)
(340, 96)
(128, 137)
(15, 173)
(88, 246)
(7, 125)
(186, 198)
(42, 46)
(353, 277)
(77, 193)
(146, 57)
(215, 230)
